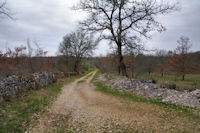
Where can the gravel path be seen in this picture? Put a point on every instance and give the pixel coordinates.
(80, 108)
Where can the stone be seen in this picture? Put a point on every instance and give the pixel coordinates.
(13, 86)
(146, 88)
(196, 93)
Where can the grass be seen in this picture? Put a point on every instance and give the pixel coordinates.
(192, 81)
(17, 115)
(188, 111)
(90, 70)
(88, 76)
(81, 81)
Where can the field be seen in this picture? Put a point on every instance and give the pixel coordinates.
(192, 81)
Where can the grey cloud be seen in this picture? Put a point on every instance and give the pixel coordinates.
(47, 21)
(184, 22)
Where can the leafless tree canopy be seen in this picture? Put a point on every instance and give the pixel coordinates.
(124, 22)
(161, 63)
(184, 45)
(77, 45)
(4, 11)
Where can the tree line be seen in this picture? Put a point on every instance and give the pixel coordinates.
(178, 62)
(24, 60)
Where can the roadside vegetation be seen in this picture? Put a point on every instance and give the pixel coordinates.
(81, 81)
(181, 110)
(168, 114)
(192, 81)
(17, 115)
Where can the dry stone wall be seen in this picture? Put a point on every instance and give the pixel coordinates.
(148, 89)
(14, 85)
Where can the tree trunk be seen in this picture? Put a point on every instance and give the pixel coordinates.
(30, 64)
(122, 66)
(119, 69)
(76, 65)
(68, 69)
(183, 77)
(132, 72)
(162, 71)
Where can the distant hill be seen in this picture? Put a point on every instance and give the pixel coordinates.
(198, 53)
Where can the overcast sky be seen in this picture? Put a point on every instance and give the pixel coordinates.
(47, 21)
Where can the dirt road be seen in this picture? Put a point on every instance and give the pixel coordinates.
(81, 108)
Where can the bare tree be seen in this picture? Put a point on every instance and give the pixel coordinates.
(30, 53)
(39, 52)
(4, 10)
(180, 61)
(161, 60)
(36, 57)
(124, 22)
(149, 64)
(77, 45)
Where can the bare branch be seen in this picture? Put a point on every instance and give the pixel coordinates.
(4, 11)
(121, 20)
(77, 45)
